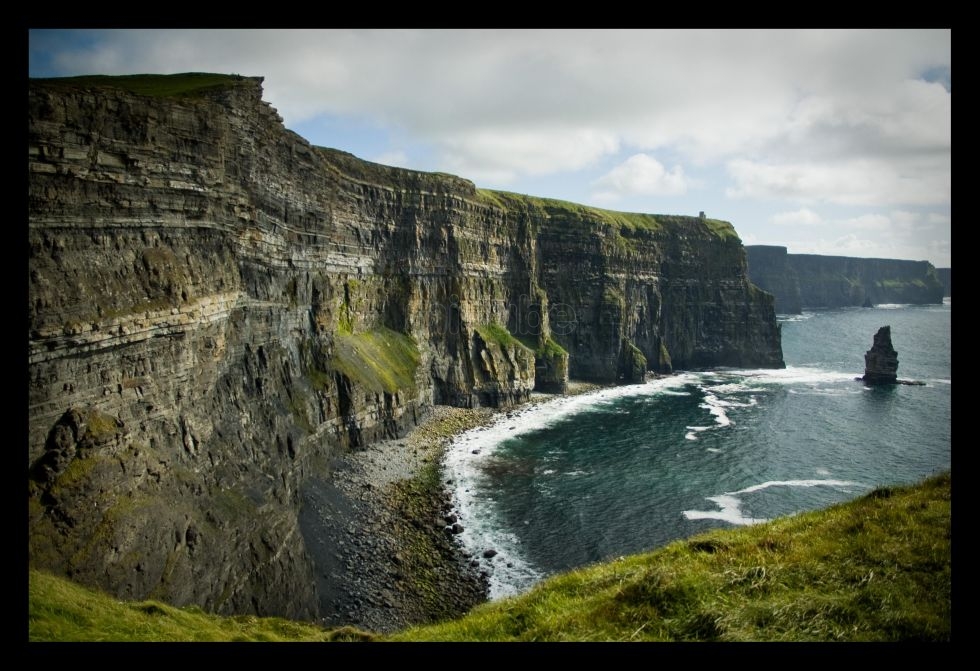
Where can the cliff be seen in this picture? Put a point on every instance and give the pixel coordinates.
(814, 281)
(217, 309)
(945, 276)
(770, 270)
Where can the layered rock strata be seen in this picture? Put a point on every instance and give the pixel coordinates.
(218, 309)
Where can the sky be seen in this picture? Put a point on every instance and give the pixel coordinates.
(824, 141)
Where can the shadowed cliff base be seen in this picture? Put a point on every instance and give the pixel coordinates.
(380, 529)
(379, 532)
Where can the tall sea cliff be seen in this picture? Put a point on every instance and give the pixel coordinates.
(800, 281)
(217, 309)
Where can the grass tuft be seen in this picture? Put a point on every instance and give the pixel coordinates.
(495, 333)
(60, 610)
(381, 360)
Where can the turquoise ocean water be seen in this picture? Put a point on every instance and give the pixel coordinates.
(588, 478)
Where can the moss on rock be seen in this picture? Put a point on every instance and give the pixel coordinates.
(381, 359)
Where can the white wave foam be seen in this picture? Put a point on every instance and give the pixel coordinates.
(791, 375)
(471, 451)
(730, 503)
(730, 511)
(693, 432)
(818, 391)
(716, 407)
(731, 388)
(797, 483)
(715, 450)
(794, 318)
(510, 572)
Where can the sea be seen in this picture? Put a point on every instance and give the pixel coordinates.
(582, 479)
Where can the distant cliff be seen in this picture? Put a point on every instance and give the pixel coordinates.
(217, 309)
(946, 277)
(800, 281)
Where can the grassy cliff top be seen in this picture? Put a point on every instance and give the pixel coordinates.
(157, 86)
(873, 569)
(628, 221)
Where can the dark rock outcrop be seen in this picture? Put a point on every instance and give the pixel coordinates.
(814, 281)
(881, 361)
(946, 277)
(770, 270)
(231, 308)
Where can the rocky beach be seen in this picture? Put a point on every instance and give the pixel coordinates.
(380, 530)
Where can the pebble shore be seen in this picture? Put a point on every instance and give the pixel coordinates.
(379, 529)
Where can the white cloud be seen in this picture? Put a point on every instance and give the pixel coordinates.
(897, 235)
(801, 217)
(394, 158)
(852, 245)
(809, 102)
(848, 182)
(869, 222)
(641, 175)
(502, 155)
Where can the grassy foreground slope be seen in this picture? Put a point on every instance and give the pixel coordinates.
(874, 569)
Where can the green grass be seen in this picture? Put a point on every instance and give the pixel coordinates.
(157, 86)
(381, 359)
(873, 569)
(549, 349)
(496, 333)
(60, 610)
(901, 284)
(551, 207)
(723, 229)
(100, 426)
(574, 212)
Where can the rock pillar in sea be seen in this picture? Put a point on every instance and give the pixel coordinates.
(881, 361)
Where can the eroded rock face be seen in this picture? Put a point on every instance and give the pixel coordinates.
(881, 361)
(233, 307)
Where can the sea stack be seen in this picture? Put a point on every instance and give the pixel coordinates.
(881, 361)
